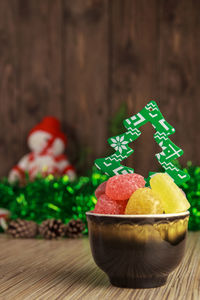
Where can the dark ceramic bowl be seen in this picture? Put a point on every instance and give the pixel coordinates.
(137, 251)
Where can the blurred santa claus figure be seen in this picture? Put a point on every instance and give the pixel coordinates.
(47, 144)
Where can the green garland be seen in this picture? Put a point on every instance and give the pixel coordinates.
(192, 191)
(58, 198)
(51, 197)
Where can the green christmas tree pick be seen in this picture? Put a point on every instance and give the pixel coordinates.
(150, 113)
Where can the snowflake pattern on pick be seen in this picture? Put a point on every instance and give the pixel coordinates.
(150, 113)
(118, 143)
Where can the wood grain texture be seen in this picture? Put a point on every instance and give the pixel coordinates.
(180, 73)
(31, 72)
(40, 70)
(64, 269)
(9, 91)
(86, 73)
(135, 52)
(80, 60)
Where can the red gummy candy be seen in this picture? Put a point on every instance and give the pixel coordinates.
(121, 187)
(107, 206)
(101, 189)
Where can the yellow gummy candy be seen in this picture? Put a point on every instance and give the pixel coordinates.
(144, 201)
(172, 197)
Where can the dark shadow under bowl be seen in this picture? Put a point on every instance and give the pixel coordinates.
(137, 251)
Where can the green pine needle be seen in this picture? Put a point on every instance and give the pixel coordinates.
(58, 198)
(51, 197)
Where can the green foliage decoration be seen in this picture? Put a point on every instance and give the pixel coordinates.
(51, 197)
(59, 198)
(192, 191)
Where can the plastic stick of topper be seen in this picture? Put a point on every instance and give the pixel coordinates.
(150, 113)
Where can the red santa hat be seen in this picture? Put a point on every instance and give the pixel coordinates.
(52, 126)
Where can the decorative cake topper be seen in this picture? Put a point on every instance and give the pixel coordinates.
(150, 113)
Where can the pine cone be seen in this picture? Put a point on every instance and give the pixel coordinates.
(74, 228)
(22, 228)
(51, 229)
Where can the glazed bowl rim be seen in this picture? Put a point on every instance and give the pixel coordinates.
(186, 213)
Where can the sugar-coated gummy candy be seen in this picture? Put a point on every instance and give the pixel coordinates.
(121, 187)
(107, 206)
(144, 201)
(173, 199)
(101, 189)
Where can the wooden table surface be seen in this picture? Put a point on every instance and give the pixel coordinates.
(64, 269)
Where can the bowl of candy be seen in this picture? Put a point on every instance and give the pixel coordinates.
(137, 233)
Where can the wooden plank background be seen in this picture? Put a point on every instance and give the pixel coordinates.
(82, 60)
